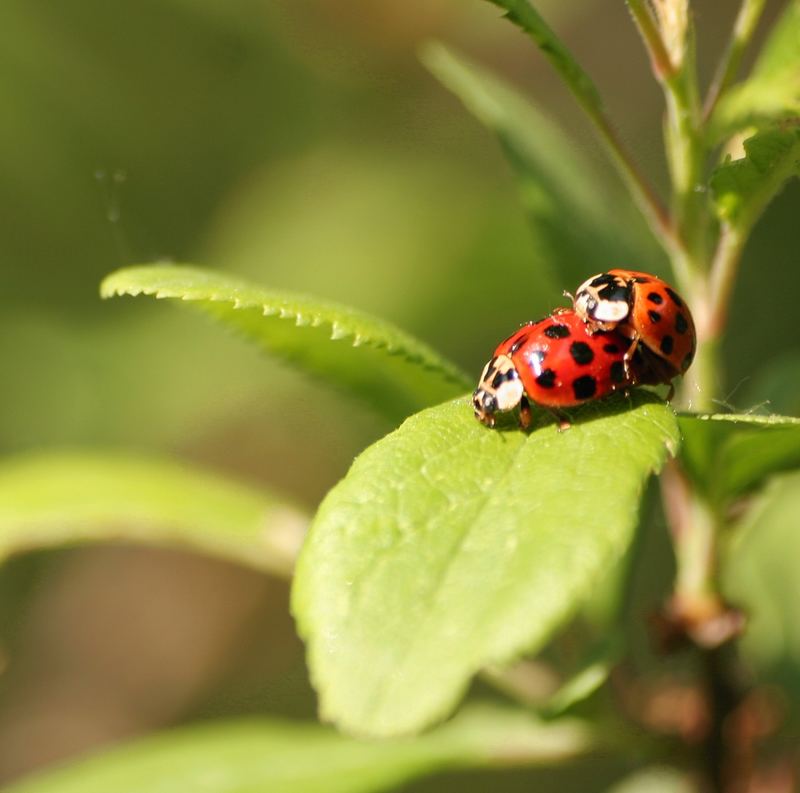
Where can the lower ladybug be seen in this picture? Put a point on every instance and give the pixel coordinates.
(649, 313)
(556, 363)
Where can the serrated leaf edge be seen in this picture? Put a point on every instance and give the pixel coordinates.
(425, 359)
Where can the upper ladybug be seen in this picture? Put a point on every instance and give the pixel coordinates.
(646, 310)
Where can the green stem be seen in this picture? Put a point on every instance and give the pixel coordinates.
(743, 29)
(686, 156)
(722, 278)
(693, 527)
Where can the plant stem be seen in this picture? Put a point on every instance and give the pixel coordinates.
(722, 278)
(743, 29)
(686, 156)
(693, 528)
(710, 300)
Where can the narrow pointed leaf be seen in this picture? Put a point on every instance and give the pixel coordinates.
(249, 756)
(56, 499)
(526, 17)
(375, 361)
(449, 546)
(572, 218)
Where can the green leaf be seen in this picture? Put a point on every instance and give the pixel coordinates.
(743, 188)
(588, 679)
(760, 574)
(391, 370)
(449, 547)
(656, 779)
(65, 498)
(249, 756)
(728, 455)
(525, 16)
(572, 218)
(772, 92)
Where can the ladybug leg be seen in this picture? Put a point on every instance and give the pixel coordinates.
(525, 414)
(671, 392)
(563, 420)
(628, 357)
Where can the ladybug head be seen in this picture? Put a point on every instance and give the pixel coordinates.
(499, 389)
(603, 301)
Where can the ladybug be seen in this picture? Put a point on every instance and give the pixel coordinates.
(649, 313)
(555, 362)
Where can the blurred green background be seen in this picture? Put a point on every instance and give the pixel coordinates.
(299, 143)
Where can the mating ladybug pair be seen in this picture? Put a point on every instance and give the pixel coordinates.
(625, 328)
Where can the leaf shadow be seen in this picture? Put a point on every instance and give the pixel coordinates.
(612, 405)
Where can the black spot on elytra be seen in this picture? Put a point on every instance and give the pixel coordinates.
(617, 371)
(611, 348)
(675, 299)
(654, 297)
(667, 343)
(556, 332)
(547, 379)
(581, 353)
(681, 325)
(654, 316)
(641, 279)
(584, 387)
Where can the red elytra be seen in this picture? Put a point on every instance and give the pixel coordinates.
(647, 311)
(555, 362)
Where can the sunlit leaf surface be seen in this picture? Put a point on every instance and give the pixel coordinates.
(449, 546)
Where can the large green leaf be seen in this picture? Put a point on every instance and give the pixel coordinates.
(571, 215)
(728, 455)
(449, 546)
(66, 498)
(772, 92)
(760, 574)
(271, 756)
(742, 188)
(394, 372)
